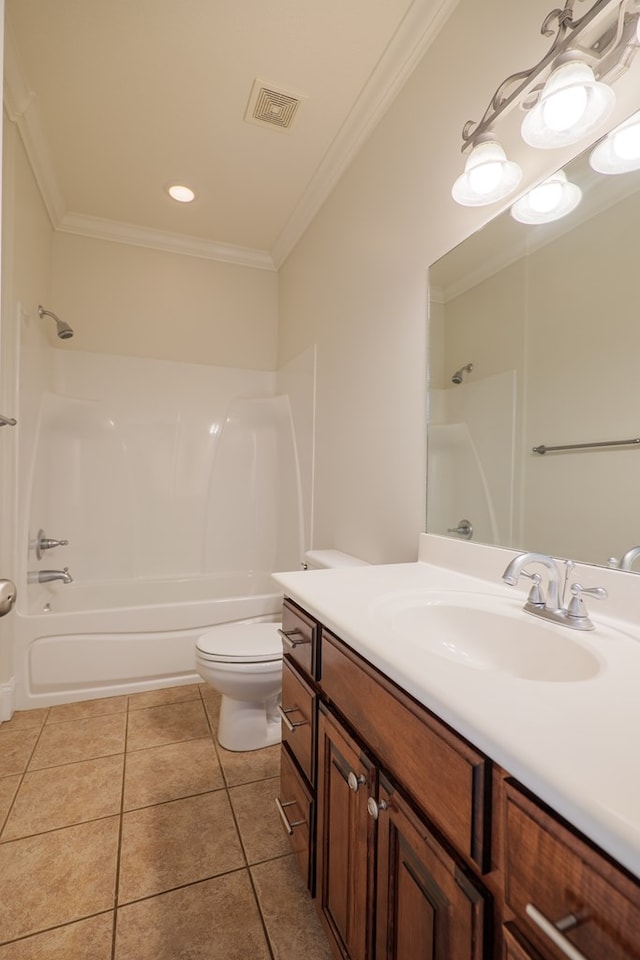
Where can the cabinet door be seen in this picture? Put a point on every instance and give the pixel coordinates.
(427, 907)
(345, 836)
(515, 947)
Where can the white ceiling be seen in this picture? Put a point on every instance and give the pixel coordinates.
(116, 98)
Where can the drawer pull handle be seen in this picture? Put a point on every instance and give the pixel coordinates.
(293, 638)
(553, 931)
(288, 824)
(374, 808)
(290, 724)
(354, 781)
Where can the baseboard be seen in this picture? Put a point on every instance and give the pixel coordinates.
(7, 699)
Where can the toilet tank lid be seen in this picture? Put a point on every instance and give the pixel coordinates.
(332, 558)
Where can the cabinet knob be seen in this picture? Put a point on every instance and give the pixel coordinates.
(293, 638)
(291, 725)
(287, 824)
(374, 807)
(554, 931)
(354, 781)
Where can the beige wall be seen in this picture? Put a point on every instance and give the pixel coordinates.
(356, 282)
(135, 301)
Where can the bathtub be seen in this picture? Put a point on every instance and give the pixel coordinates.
(80, 641)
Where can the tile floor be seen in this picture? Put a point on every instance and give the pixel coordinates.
(128, 833)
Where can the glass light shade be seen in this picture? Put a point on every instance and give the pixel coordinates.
(181, 193)
(552, 199)
(619, 152)
(572, 104)
(488, 176)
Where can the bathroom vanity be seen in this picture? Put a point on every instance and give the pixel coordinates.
(414, 832)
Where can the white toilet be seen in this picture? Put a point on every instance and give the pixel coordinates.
(243, 662)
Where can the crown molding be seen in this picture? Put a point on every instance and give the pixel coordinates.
(101, 229)
(410, 42)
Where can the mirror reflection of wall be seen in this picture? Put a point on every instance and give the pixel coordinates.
(549, 317)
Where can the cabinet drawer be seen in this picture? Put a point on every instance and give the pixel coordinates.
(552, 874)
(299, 637)
(446, 777)
(295, 806)
(297, 710)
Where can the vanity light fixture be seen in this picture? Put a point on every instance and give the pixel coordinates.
(619, 152)
(488, 175)
(572, 105)
(565, 96)
(550, 200)
(181, 193)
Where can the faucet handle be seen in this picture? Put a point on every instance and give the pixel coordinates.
(536, 596)
(43, 542)
(577, 606)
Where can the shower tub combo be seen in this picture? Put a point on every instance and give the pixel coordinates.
(175, 514)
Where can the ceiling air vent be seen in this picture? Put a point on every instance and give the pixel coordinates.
(271, 106)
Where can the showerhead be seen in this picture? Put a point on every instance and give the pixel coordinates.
(457, 377)
(63, 329)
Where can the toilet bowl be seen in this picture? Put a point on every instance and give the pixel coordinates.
(243, 662)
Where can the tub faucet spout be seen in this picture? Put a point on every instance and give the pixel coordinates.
(46, 576)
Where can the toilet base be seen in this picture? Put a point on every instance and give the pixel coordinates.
(248, 725)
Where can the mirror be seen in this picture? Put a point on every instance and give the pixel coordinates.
(541, 324)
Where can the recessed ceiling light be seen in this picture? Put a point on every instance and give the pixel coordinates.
(181, 193)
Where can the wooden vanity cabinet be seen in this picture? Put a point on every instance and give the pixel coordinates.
(416, 846)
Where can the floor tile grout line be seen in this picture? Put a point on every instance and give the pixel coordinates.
(22, 776)
(66, 826)
(56, 926)
(183, 886)
(265, 928)
(116, 891)
(160, 803)
(68, 763)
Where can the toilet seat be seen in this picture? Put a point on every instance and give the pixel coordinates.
(241, 643)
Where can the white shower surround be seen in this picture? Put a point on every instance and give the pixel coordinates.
(178, 488)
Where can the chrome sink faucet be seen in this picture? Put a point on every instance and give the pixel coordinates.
(46, 576)
(575, 614)
(629, 558)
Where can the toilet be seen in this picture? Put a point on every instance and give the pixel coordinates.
(243, 662)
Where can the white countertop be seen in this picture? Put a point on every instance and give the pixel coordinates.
(573, 743)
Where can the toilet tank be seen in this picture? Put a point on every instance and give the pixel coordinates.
(327, 559)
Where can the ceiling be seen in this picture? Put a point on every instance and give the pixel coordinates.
(115, 99)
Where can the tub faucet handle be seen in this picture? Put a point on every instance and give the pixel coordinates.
(46, 543)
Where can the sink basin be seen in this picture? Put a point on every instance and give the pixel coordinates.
(484, 632)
